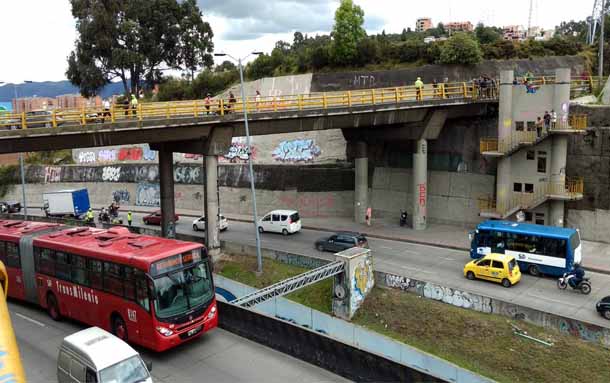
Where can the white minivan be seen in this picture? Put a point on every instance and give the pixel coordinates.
(280, 221)
(96, 356)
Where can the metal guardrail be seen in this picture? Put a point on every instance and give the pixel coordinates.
(575, 123)
(220, 107)
(571, 189)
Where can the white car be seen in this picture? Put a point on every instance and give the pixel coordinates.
(199, 223)
(280, 221)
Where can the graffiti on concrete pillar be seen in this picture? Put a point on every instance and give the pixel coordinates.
(52, 174)
(107, 155)
(238, 152)
(422, 195)
(187, 174)
(363, 281)
(149, 155)
(299, 150)
(148, 195)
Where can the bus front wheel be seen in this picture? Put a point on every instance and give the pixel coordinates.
(119, 328)
(533, 270)
(53, 307)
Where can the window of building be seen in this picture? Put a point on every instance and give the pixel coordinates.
(519, 126)
(517, 187)
(531, 155)
(540, 218)
(529, 188)
(531, 126)
(541, 164)
(529, 216)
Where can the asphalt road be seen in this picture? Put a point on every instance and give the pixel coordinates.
(217, 356)
(433, 264)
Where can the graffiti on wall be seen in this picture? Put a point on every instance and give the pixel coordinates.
(107, 155)
(364, 81)
(52, 174)
(86, 157)
(590, 333)
(130, 154)
(299, 150)
(187, 174)
(121, 196)
(398, 282)
(111, 173)
(238, 152)
(149, 155)
(457, 298)
(148, 195)
(192, 156)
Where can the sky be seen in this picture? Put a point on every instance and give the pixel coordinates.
(38, 35)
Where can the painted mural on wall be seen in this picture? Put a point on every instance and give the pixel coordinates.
(299, 150)
(148, 194)
(52, 174)
(121, 196)
(238, 152)
(362, 282)
(111, 155)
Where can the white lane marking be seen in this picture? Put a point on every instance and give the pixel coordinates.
(30, 320)
(449, 259)
(385, 247)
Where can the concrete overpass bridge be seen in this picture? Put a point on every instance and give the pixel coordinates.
(400, 113)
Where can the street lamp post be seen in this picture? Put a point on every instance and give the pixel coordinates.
(21, 166)
(259, 258)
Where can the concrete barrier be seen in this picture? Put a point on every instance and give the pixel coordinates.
(334, 344)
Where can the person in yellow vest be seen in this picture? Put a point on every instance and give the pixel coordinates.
(419, 87)
(129, 218)
(134, 105)
(89, 217)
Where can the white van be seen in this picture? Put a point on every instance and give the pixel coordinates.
(96, 356)
(280, 221)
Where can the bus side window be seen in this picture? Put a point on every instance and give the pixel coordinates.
(79, 270)
(62, 267)
(3, 252)
(95, 273)
(12, 255)
(129, 283)
(45, 261)
(561, 249)
(142, 295)
(113, 278)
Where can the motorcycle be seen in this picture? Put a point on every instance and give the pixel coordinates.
(403, 218)
(584, 286)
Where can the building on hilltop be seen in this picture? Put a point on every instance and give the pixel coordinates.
(74, 101)
(27, 104)
(423, 24)
(458, 26)
(514, 33)
(66, 101)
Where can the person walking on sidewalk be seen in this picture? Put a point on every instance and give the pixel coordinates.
(129, 218)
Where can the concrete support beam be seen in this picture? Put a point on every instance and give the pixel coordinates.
(434, 124)
(361, 195)
(212, 236)
(166, 180)
(420, 184)
(505, 127)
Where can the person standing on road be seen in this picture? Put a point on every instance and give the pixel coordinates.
(129, 218)
(419, 87)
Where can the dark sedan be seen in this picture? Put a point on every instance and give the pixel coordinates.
(603, 307)
(341, 241)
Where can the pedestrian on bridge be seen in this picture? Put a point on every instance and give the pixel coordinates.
(134, 104)
(232, 102)
(207, 101)
(419, 87)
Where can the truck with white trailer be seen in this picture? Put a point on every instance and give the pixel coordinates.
(73, 203)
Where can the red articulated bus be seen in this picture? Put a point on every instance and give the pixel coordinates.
(152, 291)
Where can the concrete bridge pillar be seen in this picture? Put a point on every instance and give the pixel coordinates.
(361, 195)
(166, 180)
(420, 184)
(559, 148)
(212, 237)
(505, 128)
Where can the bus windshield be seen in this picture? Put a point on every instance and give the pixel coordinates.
(179, 291)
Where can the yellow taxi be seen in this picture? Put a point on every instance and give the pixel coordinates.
(499, 268)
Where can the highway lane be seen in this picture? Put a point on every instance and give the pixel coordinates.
(218, 356)
(433, 264)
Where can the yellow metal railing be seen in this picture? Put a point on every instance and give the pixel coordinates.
(11, 369)
(571, 189)
(222, 106)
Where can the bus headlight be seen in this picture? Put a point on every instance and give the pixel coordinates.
(164, 331)
(212, 313)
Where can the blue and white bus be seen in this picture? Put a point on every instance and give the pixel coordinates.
(538, 249)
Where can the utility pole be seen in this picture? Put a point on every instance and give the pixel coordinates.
(529, 20)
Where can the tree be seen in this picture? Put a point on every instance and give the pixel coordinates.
(196, 44)
(487, 35)
(261, 67)
(225, 66)
(573, 29)
(461, 48)
(403, 35)
(347, 32)
(135, 40)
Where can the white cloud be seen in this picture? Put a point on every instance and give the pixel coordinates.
(38, 35)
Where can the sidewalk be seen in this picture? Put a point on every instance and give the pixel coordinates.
(596, 255)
